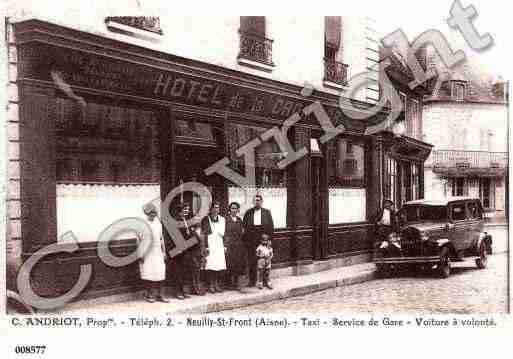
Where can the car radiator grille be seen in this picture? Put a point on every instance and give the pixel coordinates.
(411, 244)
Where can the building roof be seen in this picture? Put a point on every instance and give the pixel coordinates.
(480, 85)
(399, 71)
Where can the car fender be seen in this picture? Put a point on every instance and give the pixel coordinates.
(445, 242)
(484, 236)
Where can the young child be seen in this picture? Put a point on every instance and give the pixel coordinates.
(264, 253)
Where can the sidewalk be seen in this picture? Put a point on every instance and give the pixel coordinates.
(284, 287)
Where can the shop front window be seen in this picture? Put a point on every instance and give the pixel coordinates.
(391, 169)
(270, 181)
(107, 166)
(347, 196)
(415, 181)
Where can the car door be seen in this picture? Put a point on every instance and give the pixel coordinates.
(475, 220)
(459, 226)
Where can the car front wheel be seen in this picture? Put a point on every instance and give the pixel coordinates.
(444, 267)
(482, 261)
(383, 270)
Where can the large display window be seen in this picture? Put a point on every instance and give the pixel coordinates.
(271, 181)
(347, 192)
(107, 166)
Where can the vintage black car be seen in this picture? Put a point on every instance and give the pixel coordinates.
(434, 233)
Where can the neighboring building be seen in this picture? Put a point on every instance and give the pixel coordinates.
(406, 152)
(466, 120)
(112, 113)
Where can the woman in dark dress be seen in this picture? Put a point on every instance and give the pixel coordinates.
(188, 264)
(236, 252)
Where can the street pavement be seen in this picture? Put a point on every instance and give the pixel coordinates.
(342, 289)
(468, 290)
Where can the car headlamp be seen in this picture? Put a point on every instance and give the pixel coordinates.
(393, 237)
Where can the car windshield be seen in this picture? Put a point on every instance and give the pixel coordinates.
(415, 213)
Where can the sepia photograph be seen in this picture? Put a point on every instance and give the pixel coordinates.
(274, 171)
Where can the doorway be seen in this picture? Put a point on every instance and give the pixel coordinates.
(319, 209)
(190, 164)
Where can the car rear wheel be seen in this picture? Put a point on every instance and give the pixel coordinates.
(482, 261)
(444, 267)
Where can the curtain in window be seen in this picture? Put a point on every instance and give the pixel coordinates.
(346, 205)
(390, 184)
(253, 24)
(333, 31)
(415, 181)
(275, 199)
(271, 181)
(348, 164)
(106, 144)
(107, 166)
(87, 209)
(346, 193)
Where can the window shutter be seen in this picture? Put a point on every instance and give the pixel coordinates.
(253, 24)
(333, 28)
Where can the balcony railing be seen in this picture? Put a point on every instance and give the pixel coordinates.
(256, 48)
(147, 23)
(335, 72)
(463, 160)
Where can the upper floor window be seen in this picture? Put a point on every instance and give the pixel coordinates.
(458, 91)
(459, 186)
(415, 119)
(334, 70)
(255, 48)
(402, 117)
(253, 25)
(332, 36)
(402, 96)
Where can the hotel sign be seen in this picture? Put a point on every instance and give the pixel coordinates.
(113, 75)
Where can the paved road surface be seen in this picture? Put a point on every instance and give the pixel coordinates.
(468, 290)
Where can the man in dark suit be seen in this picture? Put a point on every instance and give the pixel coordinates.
(257, 221)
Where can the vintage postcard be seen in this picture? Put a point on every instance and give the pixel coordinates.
(171, 173)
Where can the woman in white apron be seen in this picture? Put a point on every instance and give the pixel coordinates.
(152, 264)
(213, 227)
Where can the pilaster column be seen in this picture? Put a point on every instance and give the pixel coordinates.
(37, 167)
(299, 194)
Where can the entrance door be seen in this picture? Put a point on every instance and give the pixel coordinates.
(319, 208)
(190, 164)
(486, 193)
(459, 229)
(407, 181)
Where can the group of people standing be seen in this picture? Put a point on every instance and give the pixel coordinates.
(227, 249)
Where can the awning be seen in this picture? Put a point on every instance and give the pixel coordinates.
(404, 147)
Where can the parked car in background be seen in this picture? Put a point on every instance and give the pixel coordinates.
(433, 234)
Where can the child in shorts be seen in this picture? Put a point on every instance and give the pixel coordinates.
(264, 253)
